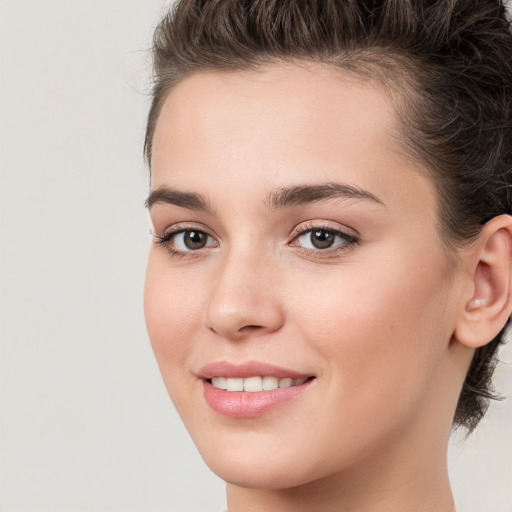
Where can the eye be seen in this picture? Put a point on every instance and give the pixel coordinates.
(185, 241)
(317, 239)
(190, 240)
(324, 239)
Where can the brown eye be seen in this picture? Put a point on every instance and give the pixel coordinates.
(194, 240)
(321, 239)
(184, 241)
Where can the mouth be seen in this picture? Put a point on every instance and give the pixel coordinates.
(251, 389)
(256, 384)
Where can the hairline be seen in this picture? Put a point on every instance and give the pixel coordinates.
(395, 71)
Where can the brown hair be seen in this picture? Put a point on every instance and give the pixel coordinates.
(448, 62)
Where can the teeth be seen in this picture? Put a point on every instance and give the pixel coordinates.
(235, 384)
(220, 382)
(255, 384)
(270, 383)
(286, 382)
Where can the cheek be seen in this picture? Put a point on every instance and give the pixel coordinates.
(172, 312)
(383, 328)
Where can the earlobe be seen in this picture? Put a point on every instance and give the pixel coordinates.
(489, 306)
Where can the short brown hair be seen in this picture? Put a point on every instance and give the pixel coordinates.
(449, 60)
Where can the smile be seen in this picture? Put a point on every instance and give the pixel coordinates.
(252, 388)
(255, 384)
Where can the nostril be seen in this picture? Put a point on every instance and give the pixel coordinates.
(250, 328)
(245, 328)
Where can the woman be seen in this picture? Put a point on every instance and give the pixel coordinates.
(330, 274)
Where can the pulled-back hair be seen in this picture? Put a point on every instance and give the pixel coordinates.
(446, 63)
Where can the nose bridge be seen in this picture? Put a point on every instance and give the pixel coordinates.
(243, 295)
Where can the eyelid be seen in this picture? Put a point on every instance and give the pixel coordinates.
(165, 237)
(179, 227)
(324, 225)
(344, 233)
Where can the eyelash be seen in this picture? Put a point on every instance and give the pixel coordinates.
(349, 241)
(165, 238)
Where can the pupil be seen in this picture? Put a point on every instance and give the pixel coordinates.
(194, 240)
(322, 239)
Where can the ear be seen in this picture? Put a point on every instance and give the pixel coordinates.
(489, 304)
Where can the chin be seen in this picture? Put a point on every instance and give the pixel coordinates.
(257, 475)
(260, 465)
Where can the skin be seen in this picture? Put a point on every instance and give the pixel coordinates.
(377, 322)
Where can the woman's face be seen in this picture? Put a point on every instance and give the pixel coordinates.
(294, 240)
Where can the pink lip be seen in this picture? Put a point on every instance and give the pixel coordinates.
(243, 404)
(247, 369)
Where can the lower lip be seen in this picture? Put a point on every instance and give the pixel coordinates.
(245, 404)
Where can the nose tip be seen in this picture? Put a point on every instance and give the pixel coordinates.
(242, 304)
(239, 323)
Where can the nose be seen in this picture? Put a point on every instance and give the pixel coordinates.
(244, 298)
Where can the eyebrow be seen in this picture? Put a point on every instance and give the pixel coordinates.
(304, 194)
(281, 198)
(189, 200)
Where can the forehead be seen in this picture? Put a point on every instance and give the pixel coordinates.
(280, 125)
(276, 105)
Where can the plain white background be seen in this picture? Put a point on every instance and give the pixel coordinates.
(85, 422)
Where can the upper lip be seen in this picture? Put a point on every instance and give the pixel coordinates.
(247, 369)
